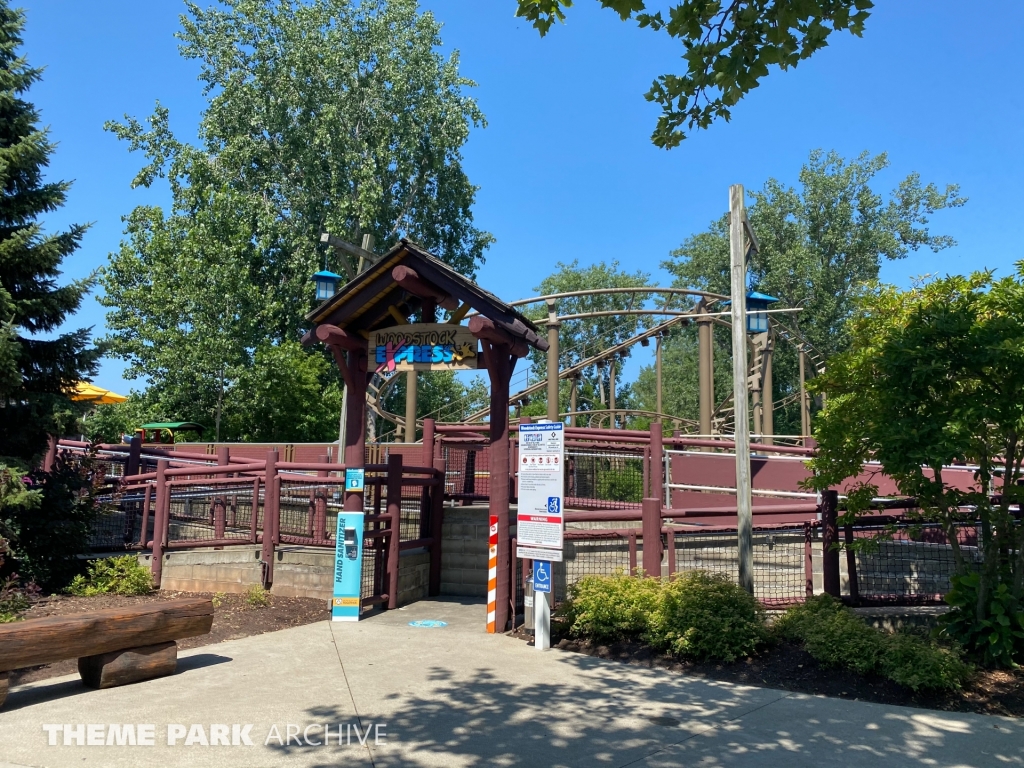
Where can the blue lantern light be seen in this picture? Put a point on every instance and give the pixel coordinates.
(757, 311)
(326, 284)
(757, 314)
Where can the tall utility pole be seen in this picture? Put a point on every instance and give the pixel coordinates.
(738, 274)
(553, 325)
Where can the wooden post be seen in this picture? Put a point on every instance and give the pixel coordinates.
(319, 531)
(271, 501)
(659, 406)
(611, 391)
(134, 457)
(553, 326)
(651, 527)
(147, 498)
(436, 530)
(395, 523)
(738, 275)
(829, 542)
(574, 385)
(657, 461)
(767, 394)
(409, 435)
(705, 370)
(355, 427)
(51, 453)
(160, 521)
(805, 403)
(427, 461)
(851, 565)
(500, 364)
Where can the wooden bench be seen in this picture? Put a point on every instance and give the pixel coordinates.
(113, 647)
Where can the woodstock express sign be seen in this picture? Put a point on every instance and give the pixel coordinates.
(423, 347)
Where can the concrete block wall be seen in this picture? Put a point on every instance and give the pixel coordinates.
(298, 571)
(464, 535)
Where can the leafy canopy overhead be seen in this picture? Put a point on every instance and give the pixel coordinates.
(729, 47)
(329, 115)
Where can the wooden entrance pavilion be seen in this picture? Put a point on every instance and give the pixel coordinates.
(407, 280)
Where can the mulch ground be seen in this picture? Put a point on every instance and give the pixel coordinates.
(789, 667)
(232, 618)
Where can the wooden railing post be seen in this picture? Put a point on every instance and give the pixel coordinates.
(829, 543)
(131, 466)
(436, 529)
(657, 461)
(851, 565)
(808, 560)
(271, 514)
(51, 453)
(318, 518)
(160, 521)
(428, 461)
(395, 514)
(651, 529)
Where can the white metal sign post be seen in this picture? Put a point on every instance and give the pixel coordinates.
(540, 520)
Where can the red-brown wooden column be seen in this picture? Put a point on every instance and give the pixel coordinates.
(499, 368)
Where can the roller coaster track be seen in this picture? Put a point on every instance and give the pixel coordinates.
(380, 384)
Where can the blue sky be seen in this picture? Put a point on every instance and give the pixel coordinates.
(565, 165)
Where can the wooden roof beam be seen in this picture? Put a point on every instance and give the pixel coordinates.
(408, 278)
(485, 330)
(333, 336)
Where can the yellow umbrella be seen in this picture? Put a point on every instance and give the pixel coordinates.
(90, 392)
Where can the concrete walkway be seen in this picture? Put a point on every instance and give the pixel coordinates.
(454, 696)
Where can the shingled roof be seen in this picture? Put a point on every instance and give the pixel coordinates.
(364, 303)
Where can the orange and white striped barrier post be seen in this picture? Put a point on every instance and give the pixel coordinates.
(492, 574)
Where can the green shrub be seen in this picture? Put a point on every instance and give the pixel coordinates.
(257, 597)
(625, 484)
(113, 575)
(916, 663)
(836, 636)
(51, 526)
(996, 641)
(605, 608)
(705, 616)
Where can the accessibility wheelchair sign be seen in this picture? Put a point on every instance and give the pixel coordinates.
(541, 576)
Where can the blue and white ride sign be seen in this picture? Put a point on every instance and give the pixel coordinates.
(348, 567)
(541, 576)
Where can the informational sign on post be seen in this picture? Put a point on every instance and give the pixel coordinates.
(354, 479)
(348, 566)
(540, 520)
(541, 479)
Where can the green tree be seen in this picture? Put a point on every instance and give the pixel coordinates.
(330, 115)
(935, 375)
(35, 372)
(109, 422)
(281, 397)
(820, 244)
(440, 395)
(729, 47)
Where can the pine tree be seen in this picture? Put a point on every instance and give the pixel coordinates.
(35, 373)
